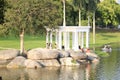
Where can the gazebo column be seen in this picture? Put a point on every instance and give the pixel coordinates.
(47, 39)
(68, 41)
(87, 39)
(76, 41)
(79, 39)
(50, 39)
(73, 40)
(60, 40)
(82, 40)
(65, 36)
(56, 39)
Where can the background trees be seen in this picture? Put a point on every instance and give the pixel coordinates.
(33, 15)
(108, 13)
(1, 11)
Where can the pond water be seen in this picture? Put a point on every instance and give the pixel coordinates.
(107, 69)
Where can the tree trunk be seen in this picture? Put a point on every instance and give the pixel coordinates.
(88, 20)
(80, 35)
(22, 42)
(94, 28)
(64, 20)
(79, 17)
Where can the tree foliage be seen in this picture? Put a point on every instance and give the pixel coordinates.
(2, 4)
(32, 15)
(108, 11)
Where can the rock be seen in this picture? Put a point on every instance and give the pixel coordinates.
(42, 54)
(8, 54)
(77, 55)
(92, 54)
(95, 60)
(18, 62)
(92, 57)
(46, 63)
(68, 62)
(63, 54)
(3, 63)
(82, 61)
(32, 64)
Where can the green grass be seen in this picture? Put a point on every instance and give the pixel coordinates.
(105, 37)
(102, 54)
(29, 42)
(102, 37)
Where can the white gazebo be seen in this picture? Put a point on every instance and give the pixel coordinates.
(71, 37)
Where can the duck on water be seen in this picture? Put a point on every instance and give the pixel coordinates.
(107, 48)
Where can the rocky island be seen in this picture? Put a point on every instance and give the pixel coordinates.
(42, 57)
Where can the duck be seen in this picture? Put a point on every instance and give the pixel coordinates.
(107, 48)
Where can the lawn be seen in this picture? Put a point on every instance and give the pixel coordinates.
(29, 42)
(102, 37)
(105, 37)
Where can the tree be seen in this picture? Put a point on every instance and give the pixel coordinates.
(2, 11)
(80, 5)
(109, 13)
(30, 15)
(91, 7)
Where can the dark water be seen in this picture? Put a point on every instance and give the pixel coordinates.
(107, 69)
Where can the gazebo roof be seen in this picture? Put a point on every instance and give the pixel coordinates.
(74, 28)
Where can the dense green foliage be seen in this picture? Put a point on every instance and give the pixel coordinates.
(1, 11)
(31, 15)
(34, 15)
(108, 13)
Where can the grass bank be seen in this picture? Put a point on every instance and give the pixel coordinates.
(29, 42)
(103, 36)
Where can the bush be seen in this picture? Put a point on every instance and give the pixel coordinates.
(2, 31)
(84, 22)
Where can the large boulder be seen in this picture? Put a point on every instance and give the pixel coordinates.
(3, 63)
(68, 61)
(42, 54)
(32, 64)
(92, 54)
(48, 63)
(77, 55)
(63, 54)
(8, 54)
(18, 62)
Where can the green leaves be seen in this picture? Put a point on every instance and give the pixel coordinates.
(1, 11)
(108, 12)
(32, 15)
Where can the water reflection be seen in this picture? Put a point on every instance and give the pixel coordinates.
(108, 68)
(72, 73)
(57, 73)
(88, 68)
(43, 74)
(12, 74)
